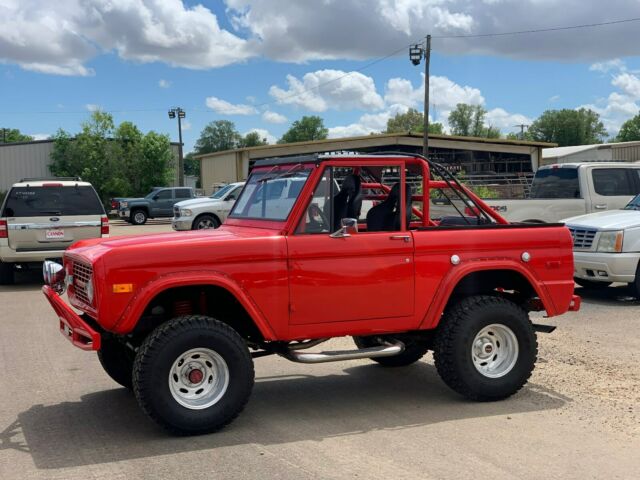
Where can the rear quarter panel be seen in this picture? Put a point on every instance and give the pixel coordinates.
(550, 270)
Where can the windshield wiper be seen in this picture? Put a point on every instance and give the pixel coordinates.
(289, 173)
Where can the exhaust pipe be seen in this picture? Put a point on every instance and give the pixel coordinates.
(389, 349)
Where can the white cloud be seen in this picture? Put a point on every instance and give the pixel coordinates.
(629, 84)
(60, 37)
(40, 136)
(367, 123)
(225, 108)
(604, 67)
(162, 83)
(297, 31)
(186, 125)
(500, 118)
(329, 89)
(264, 134)
(554, 99)
(443, 92)
(273, 117)
(92, 107)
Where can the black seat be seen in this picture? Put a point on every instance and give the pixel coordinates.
(386, 215)
(347, 203)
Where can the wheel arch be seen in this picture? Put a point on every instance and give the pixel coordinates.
(211, 214)
(206, 293)
(483, 280)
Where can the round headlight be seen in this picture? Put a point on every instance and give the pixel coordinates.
(54, 275)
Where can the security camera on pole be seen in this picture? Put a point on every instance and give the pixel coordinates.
(416, 52)
(180, 113)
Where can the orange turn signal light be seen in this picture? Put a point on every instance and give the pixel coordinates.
(122, 287)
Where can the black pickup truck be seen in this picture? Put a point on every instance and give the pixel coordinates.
(159, 203)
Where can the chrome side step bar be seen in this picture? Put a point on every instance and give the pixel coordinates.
(388, 350)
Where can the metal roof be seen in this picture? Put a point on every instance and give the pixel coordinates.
(498, 141)
(565, 151)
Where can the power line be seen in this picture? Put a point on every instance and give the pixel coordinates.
(540, 30)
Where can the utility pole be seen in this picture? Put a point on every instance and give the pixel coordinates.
(180, 113)
(416, 52)
(522, 126)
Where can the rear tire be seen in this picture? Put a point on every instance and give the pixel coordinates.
(117, 360)
(412, 352)
(204, 222)
(485, 348)
(591, 285)
(7, 273)
(193, 375)
(138, 217)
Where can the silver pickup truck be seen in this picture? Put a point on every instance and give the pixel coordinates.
(572, 189)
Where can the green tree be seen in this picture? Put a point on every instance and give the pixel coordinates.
(12, 135)
(308, 128)
(568, 127)
(252, 139)
(118, 162)
(217, 136)
(630, 130)
(468, 121)
(411, 121)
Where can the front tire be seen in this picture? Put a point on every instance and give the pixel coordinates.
(485, 348)
(204, 222)
(193, 375)
(117, 360)
(7, 273)
(412, 352)
(138, 217)
(635, 286)
(591, 285)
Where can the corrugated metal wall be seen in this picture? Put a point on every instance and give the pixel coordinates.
(221, 169)
(32, 159)
(24, 160)
(630, 153)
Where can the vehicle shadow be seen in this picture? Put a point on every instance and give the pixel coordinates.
(25, 280)
(108, 426)
(618, 295)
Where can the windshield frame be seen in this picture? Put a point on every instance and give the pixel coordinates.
(259, 180)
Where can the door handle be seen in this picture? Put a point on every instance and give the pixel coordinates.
(601, 207)
(406, 238)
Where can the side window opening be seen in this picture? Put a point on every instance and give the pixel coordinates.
(611, 182)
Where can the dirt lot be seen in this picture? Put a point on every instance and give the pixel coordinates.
(61, 417)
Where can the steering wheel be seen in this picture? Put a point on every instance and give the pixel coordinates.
(318, 221)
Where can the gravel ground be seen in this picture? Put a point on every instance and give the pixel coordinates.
(61, 417)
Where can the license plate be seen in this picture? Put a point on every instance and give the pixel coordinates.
(56, 234)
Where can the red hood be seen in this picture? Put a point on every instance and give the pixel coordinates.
(174, 246)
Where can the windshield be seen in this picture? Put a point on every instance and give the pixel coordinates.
(634, 204)
(556, 183)
(270, 195)
(222, 192)
(41, 201)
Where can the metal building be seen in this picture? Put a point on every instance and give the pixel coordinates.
(605, 152)
(32, 159)
(508, 159)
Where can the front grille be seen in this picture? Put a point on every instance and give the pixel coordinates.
(582, 238)
(176, 212)
(81, 278)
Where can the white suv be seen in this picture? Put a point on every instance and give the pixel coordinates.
(606, 247)
(207, 212)
(40, 218)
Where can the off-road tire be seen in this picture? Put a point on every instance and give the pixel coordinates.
(591, 285)
(7, 274)
(412, 352)
(205, 219)
(453, 347)
(117, 360)
(170, 341)
(138, 216)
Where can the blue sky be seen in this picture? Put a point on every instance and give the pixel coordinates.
(238, 59)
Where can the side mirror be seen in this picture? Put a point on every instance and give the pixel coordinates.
(232, 198)
(156, 197)
(349, 227)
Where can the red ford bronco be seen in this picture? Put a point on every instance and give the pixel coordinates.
(389, 249)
